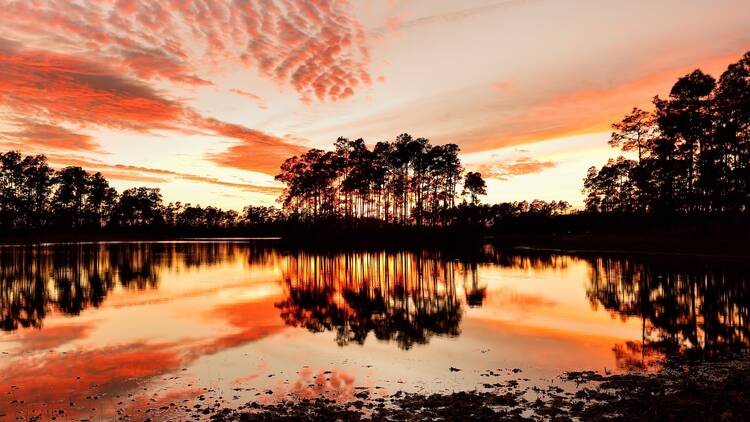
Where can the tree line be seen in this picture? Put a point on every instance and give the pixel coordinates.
(420, 186)
(690, 154)
(34, 196)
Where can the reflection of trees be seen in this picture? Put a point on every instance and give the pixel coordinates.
(524, 260)
(402, 297)
(685, 308)
(35, 280)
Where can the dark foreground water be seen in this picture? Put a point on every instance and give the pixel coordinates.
(102, 331)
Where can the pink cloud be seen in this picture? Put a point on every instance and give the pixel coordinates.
(318, 48)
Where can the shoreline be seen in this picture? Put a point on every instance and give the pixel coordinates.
(684, 391)
(574, 244)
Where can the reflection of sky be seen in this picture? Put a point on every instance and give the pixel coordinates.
(217, 327)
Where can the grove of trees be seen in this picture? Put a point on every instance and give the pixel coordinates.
(408, 181)
(691, 152)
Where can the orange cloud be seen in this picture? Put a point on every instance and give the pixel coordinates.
(60, 87)
(64, 88)
(257, 151)
(584, 110)
(152, 175)
(502, 86)
(258, 100)
(45, 136)
(518, 167)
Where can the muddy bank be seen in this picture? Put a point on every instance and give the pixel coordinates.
(685, 392)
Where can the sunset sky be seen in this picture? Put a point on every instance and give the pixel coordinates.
(204, 99)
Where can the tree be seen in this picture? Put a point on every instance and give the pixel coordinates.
(684, 117)
(732, 111)
(693, 150)
(474, 185)
(139, 207)
(11, 182)
(611, 189)
(634, 132)
(70, 196)
(100, 200)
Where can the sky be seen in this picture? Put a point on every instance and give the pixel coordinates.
(204, 99)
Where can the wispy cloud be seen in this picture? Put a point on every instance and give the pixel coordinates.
(505, 170)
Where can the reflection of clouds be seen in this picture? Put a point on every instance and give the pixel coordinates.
(262, 366)
(87, 378)
(331, 384)
(51, 337)
(252, 320)
(112, 372)
(509, 297)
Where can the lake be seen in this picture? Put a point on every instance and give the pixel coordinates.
(104, 330)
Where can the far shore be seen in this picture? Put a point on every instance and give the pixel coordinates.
(601, 242)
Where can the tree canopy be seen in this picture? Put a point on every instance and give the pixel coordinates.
(693, 151)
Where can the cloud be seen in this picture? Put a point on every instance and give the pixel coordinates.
(503, 86)
(153, 175)
(582, 109)
(91, 64)
(46, 89)
(257, 151)
(509, 169)
(258, 100)
(395, 23)
(317, 47)
(57, 87)
(46, 136)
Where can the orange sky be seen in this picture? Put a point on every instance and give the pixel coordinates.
(204, 99)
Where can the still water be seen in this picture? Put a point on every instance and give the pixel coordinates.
(111, 329)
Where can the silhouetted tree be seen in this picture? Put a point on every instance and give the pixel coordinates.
(693, 151)
(474, 185)
(25, 188)
(139, 207)
(70, 196)
(100, 201)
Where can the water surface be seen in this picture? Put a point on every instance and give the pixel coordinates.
(105, 330)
